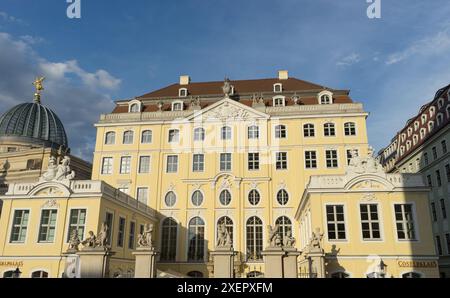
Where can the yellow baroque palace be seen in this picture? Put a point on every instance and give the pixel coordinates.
(266, 157)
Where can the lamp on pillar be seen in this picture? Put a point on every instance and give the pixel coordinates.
(17, 273)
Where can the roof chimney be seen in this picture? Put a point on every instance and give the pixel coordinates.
(283, 75)
(185, 80)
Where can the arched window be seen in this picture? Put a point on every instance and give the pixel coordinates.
(197, 198)
(195, 274)
(416, 125)
(447, 110)
(169, 240)
(325, 100)
(225, 197)
(280, 132)
(254, 232)
(284, 226)
(255, 274)
(350, 129)
(340, 275)
(135, 108)
(439, 119)
(146, 137)
(39, 274)
(423, 132)
(199, 134)
(282, 197)
(432, 111)
(308, 130)
(411, 275)
(409, 131)
(196, 239)
(403, 137)
(415, 140)
(225, 133)
(277, 88)
(128, 137)
(424, 119)
(9, 274)
(408, 145)
(329, 130)
(228, 224)
(440, 103)
(110, 138)
(182, 92)
(170, 199)
(254, 197)
(430, 126)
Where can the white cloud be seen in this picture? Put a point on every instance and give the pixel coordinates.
(8, 18)
(349, 60)
(433, 45)
(31, 39)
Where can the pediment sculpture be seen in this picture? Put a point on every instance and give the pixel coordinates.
(61, 172)
(364, 164)
(228, 112)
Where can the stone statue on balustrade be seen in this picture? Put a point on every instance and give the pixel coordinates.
(61, 172)
(145, 239)
(274, 237)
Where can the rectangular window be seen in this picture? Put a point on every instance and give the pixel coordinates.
(444, 146)
(121, 232)
(172, 164)
(142, 195)
(174, 136)
(336, 222)
(107, 165)
(109, 219)
(438, 178)
(253, 132)
(370, 223)
(309, 131)
(331, 158)
(20, 226)
(310, 159)
(280, 132)
(253, 161)
(144, 164)
(125, 165)
(281, 160)
(198, 164)
(132, 235)
(405, 222)
(435, 155)
(439, 245)
(447, 239)
(429, 181)
(447, 170)
(77, 221)
(225, 161)
(425, 158)
(48, 225)
(433, 211)
(443, 209)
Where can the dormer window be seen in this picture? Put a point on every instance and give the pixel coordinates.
(403, 137)
(134, 106)
(432, 111)
(278, 88)
(416, 125)
(325, 98)
(415, 139)
(177, 106)
(440, 119)
(423, 132)
(430, 126)
(279, 101)
(232, 90)
(409, 131)
(424, 119)
(440, 103)
(183, 92)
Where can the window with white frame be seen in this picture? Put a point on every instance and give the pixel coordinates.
(282, 197)
(253, 161)
(170, 199)
(182, 92)
(278, 88)
(254, 233)
(128, 137)
(350, 129)
(135, 108)
(199, 134)
(253, 132)
(125, 165)
(336, 222)
(281, 160)
(370, 222)
(197, 198)
(177, 106)
(107, 165)
(329, 130)
(225, 197)
(432, 111)
(169, 240)
(172, 164)
(146, 137)
(326, 99)
(254, 197)
(47, 226)
(198, 164)
(77, 222)
(225, 133)
(142, 195)
(280, 132)
(409, 131)
(404, 219)
(424, 119)
(311, 159)
(110, 138)
(225, 162)
(331, 158)
(144, 164)
(415, 139)
(416, 125)
(174, 136)
(19, 226)
(279, 102)
(308, 130)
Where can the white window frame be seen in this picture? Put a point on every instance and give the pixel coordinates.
(323, 93)
(127, 169)
(133, 103)
(276, 98)
(230, 161)
(346, 239)
(175, 138)
(177, 102)
(275, 86)
(140, 164)
(180, 92)
(172, 163)
(198, 163)
(110, 167)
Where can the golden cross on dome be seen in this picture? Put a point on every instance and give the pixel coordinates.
(39, 87)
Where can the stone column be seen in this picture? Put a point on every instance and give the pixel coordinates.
(290, 262)
(145, 262)
(317, 263)
(94, 262)
(223, 258)
(273, 262)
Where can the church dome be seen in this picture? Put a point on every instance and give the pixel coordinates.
(33, 123)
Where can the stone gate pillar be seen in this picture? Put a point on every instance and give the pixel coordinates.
(223, 258)
(94, 262)
(145, 262)
(273, 262)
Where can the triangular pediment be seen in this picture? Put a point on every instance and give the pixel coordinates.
(228, 110)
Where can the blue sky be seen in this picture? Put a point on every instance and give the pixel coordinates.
(121, 49)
